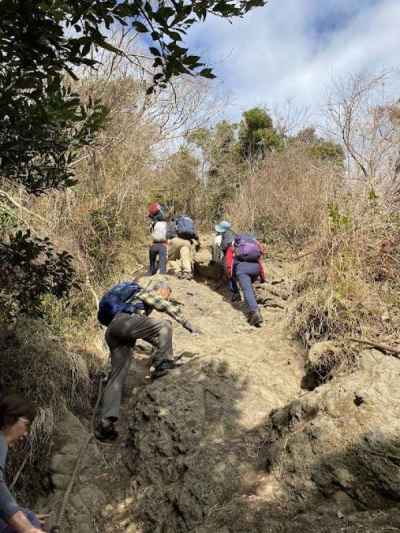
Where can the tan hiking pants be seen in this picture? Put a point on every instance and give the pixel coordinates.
(181, 251)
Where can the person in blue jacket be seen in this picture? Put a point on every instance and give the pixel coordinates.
(16, 415)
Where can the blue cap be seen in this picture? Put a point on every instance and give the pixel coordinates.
(222, 226)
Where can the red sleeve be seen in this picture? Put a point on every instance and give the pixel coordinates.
(229, 261)
(261, 262)
(262, 270)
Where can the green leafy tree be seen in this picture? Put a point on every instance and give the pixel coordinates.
(257, 135)
(320, 148)
(43, 122)
(180, 189)
(222, 165)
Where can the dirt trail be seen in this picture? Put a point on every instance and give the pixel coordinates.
(238, 375)
(229, 443)
(195, 426)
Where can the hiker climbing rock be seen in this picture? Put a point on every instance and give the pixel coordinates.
(244, 259)
(16, 415)
(224, 239)
(158, 249)
(183, 239)
(124, 310)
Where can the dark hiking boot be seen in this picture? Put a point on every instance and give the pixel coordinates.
(255, 319)
(187, 275)
(105, 431)
(163, 368)
(236, 297)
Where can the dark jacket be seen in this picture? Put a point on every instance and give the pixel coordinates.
(227, 239)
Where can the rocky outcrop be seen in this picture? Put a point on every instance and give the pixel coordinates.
(86, 499)
(180, 460)
(338, 447)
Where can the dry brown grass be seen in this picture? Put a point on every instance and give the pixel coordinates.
(286, 197)
(37, 365)
(350, 279)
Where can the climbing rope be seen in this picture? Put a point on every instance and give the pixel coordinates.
(57, 528)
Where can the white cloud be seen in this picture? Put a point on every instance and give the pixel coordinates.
(292, 49)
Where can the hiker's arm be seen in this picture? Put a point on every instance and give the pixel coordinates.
(8, 505)
(153, 301)
(165, 306)
(229, 259)
(21, 524)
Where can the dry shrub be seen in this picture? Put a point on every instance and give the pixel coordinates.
(321, 314)
(36, 365)
(287, 196)
(351, 275)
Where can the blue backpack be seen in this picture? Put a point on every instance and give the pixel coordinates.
(247, 248)
(116, 300)
(185, 227)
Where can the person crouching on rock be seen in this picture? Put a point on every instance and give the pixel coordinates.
(125, 310)
(244, 260)
(16, 415)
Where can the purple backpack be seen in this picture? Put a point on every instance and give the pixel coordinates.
(247, 248)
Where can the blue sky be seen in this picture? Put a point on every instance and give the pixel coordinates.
(293, 49)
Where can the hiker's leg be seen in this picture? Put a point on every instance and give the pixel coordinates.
(233, 286)
(181, 249)
(156, 332)
(159, 334)
(186, 257)
(30, 515)
(153, 252)
(245, 273)
(234, 290)
(112, 396)
(174, 248)
(162, 252)
(174, 254)
(121, 341)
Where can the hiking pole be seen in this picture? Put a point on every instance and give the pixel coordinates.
(187, 325)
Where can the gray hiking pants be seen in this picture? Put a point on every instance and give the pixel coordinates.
(121, 336)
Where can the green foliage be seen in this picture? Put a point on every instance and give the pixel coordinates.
(320, 148)
(30, 269)
(257, 135)
(40, 137)
(8, 219)
(220, 152)
(338, 220)
(180, 187)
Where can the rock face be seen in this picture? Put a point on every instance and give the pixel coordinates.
(181, 462)
(339, 446)
(324, 359)
(86, 497)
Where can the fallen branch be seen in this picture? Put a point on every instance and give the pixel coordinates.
(19, 206)
(382, 347)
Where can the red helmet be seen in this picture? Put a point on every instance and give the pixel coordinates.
(154, 208)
